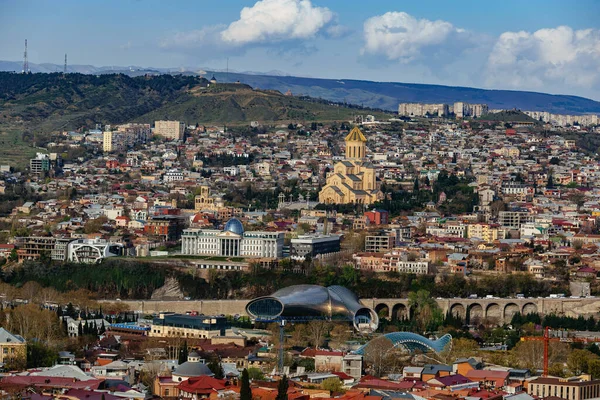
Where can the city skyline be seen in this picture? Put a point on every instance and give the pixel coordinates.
(549, 47)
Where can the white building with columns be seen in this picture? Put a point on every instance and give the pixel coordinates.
(232, 242)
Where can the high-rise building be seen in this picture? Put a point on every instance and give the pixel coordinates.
(423, 109)
(173, 130)
(463, 110)
(126, 136)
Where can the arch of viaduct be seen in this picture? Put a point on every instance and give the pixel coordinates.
(500, 310)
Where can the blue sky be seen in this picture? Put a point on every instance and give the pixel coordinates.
(548, 46)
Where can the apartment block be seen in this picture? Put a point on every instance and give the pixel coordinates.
(576, 388)
(463, 110)
(173, 130)
(423, 109)
(380, 242)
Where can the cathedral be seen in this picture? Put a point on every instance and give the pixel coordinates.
(354, 179)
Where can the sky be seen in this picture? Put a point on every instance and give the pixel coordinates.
(541, 45)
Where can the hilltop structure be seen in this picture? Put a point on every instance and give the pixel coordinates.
(354, 179)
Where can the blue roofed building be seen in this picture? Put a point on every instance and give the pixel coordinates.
(189, 326)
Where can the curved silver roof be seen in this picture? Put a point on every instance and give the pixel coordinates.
(309, 302)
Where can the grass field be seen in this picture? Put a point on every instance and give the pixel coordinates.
(13, 151)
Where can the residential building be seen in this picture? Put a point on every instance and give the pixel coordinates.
(352, 364)
(13, 349)
(485, 232)
(569, 388)
(463, 110)
(353, 180)
(423, 109)
(405, 262)
(173, 175)
(383, 241)
(328, 361)
(39, 164)
(377, 217)
(513, 219)
(168, 227)
(173, 130)
(33, 247)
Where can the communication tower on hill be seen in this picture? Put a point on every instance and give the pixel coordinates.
(65, 69)
(25, 61)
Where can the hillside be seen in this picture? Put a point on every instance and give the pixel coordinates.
(508, 116)
(384, 95)
(387, 95)
(50, 102)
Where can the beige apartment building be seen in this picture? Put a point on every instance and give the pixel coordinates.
(13, 348)
(485, 232)
(575, 388)
(173, 130)
(423, 109)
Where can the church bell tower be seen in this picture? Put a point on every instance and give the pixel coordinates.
(356, 145)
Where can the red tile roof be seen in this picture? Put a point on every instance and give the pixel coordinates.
(202, 385)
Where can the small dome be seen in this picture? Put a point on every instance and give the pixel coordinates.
(189, 369)
(235, 226)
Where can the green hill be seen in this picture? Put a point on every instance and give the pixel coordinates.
(52, 102)
(508, 116)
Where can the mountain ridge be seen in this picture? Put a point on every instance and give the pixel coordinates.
(54, 101)
(383, 95)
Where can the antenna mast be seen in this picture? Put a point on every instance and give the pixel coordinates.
(25, 62)
(65, 69)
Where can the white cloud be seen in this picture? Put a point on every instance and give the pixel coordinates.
(559, 57)
(277, 20)
(400, 36)
(338, 31)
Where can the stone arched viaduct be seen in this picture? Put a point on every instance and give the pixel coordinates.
(500, 310)
(496, 309)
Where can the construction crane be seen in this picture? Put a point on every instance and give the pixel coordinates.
(547, 339)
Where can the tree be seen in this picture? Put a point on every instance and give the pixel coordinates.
(380, 356)
(316, 331)
(216, 368)
(282, 389)
(245, 390)
(427, 313)
(594, 368)
(578, 361)
(550, 183)
(332, 384)
(183, 353)
(40, 355)
(255, 374)
(416, 185)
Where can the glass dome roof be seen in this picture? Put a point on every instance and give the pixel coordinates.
(235, 226)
